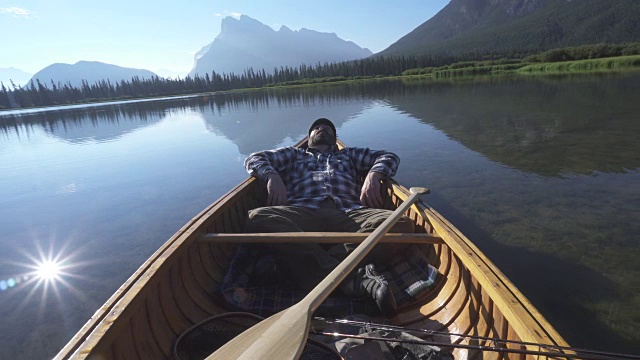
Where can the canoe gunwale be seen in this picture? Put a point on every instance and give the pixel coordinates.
(98, 325)
(491, 279)
(507, 312)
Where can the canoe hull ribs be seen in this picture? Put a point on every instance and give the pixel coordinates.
(176, 288)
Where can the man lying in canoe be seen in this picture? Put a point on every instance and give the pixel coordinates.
(316, 189)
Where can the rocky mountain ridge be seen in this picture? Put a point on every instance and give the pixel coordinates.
(247, 43)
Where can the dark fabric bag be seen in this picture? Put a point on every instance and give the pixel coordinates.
(254, 283)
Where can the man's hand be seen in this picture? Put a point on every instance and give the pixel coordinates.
(370, 195)
(276, 190)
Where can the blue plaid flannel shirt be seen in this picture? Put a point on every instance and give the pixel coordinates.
(311, 176)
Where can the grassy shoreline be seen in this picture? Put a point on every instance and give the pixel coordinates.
(605, 64)
(624, 63)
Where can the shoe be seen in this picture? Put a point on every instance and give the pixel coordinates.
(371, 284)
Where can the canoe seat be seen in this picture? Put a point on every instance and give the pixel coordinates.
(317, 238)
(410, 277)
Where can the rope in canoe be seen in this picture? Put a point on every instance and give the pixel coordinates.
(548, 350)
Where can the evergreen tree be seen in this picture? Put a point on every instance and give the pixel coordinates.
(4, 97)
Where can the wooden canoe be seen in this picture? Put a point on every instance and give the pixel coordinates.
(176, 287)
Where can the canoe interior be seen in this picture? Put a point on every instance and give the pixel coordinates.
(176, 288)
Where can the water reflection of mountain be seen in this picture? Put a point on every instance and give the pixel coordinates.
(103, 123)
(266, 119)
(548, 126)
(551, 126)
(254, 120)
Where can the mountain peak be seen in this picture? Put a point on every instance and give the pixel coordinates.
(91, 71)
(247, 43)
(19, 77)
(244, 23)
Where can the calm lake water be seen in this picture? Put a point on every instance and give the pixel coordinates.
(541, 172)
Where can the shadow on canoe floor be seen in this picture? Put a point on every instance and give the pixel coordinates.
(553, 285)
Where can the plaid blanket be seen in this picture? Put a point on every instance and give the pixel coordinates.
(244, 289)
(410, 278)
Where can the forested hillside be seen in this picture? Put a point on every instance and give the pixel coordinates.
(520, 27)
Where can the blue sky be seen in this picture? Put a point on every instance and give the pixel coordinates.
(165, 34)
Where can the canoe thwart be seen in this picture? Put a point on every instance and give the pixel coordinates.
(317, 237)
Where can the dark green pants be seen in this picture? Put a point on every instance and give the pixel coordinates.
(308, 264)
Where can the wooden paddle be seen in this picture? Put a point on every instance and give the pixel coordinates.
(284, 335)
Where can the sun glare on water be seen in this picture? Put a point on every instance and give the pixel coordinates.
(45, 273)
(45, 276)
(48, 270)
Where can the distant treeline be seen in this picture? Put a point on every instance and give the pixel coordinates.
(42, 94)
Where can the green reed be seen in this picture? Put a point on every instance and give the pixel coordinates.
(613, 63)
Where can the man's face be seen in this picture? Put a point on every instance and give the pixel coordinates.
(321, 134)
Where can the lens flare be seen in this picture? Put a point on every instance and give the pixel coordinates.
(48, 270)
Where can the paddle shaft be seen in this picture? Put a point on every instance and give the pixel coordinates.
(284, 335)
(340, 272)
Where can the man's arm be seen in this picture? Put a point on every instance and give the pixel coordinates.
(370, 195)
(266, 166)
(378, 165)
(276, 190)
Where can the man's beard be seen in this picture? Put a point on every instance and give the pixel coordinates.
(321, 138)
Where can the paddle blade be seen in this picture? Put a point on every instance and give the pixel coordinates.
(419, 190)
(281, 336)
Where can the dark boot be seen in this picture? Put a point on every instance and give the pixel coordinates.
(371, 284)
